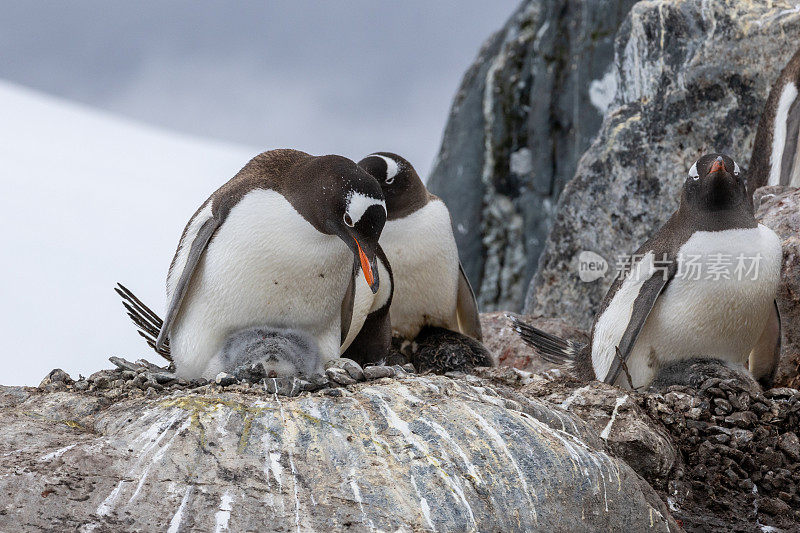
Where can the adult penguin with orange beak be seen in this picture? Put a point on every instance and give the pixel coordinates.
(702, 286)
(283, 244)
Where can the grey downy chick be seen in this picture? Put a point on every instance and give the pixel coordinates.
(261, 352)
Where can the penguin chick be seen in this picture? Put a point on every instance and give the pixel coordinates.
(693, 372)
(440, 350)
(264, 352)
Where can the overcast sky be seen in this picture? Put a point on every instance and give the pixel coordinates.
(110, 197)
(348, 77)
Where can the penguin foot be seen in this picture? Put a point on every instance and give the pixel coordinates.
(440, 350)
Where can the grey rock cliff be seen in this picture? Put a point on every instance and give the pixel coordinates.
(692, 77)
(525, 112)
(415, 454)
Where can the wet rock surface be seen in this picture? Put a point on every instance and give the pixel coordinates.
(413, 452)
(779, 209)
(525, 112)
(691, 77)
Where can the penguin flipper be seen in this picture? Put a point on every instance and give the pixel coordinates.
(146, 320)
(199, 245)
(549, 347)
(641, 306)
(469, 321)
(765, 355)
(347, 305)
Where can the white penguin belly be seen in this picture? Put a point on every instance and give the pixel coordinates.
(266, 265)
(720, 318)
(422, 252)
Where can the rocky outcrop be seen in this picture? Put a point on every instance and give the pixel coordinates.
(779, 208)
(415, 453)
(525, 112)
(691, 77)
(724, 455)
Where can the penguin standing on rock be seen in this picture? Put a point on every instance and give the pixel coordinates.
(433, 300)
(776, 150)
(703, 286)
(278, 246)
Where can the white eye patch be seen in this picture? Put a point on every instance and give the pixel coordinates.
(735, 169)
(392, 169)
(693, 172)
(357, 205)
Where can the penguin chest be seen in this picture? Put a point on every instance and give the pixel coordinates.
(718, 303)
(422, 252)
(266, 265)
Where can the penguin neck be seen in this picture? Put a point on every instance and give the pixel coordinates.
(700, 218)
(408, 201)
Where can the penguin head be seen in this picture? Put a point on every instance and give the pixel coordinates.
(715, 183)
(349, 203)
(402, 188)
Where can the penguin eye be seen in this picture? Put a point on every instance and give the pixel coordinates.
(735, 169)
(348, 220)
(389, 180)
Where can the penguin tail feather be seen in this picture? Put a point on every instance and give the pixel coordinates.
(147, 322)
(549, 347)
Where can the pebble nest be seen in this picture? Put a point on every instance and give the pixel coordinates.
(143, 378)
(740, 451)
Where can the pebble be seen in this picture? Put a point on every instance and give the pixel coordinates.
(352, 368)
(124, 364)
(285, 386)
(224, 379)
(339, 375)
(377, 372)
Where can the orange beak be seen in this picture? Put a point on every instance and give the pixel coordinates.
(716, 166)
(365, 268)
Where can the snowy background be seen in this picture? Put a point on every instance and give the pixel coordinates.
(118, 119)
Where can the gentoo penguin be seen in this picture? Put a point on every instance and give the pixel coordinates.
(278, 246)
(776, 150)
(430, 286)
(703, 286)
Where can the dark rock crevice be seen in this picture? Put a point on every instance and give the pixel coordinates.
(519, 123)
